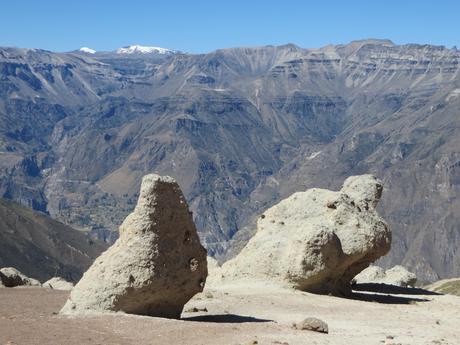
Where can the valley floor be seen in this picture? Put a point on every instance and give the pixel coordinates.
(240, 314)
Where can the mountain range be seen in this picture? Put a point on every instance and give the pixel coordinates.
(240, 129)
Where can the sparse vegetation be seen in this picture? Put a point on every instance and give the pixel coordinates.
(450, 287)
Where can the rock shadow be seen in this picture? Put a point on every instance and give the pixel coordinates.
(224, 318)
(392, 289)
(384, 293)
(386, 299)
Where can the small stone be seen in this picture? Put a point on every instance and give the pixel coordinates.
(313, 324)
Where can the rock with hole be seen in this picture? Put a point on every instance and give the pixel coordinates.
(156, 265)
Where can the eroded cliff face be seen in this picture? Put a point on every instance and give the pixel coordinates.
(239, 129)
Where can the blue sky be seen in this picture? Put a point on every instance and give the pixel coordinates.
(200, 26)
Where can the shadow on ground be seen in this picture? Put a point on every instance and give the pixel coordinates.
(383, 293)
(386, 299)
(392, 289)
(224, 318)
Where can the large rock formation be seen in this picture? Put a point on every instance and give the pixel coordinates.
(11, 277)
(155, 266)
(397, 275)
(316, 240)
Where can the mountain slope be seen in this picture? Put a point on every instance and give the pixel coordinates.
(239, 129)
(42, 248)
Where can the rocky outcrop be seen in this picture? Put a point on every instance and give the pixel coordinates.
(397, 275)
(155, 266)
(316, 240)
(11, 277)
(58, 283)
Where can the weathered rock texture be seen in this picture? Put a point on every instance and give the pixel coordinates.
(58, 283)
(397, 275)
(155, 266)
(11, 277)
(316, 240)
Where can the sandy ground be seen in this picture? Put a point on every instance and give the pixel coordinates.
(241, 314)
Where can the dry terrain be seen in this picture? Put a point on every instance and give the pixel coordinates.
(249, 314)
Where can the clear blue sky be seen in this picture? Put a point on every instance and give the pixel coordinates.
(201, 26)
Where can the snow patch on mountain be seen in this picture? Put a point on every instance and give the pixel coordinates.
(137, 49)
(87, 50)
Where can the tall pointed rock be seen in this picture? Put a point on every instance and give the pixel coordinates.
(155, 266)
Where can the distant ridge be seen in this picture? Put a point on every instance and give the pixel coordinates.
(41, 247)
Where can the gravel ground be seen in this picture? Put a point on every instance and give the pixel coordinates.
(240, 314)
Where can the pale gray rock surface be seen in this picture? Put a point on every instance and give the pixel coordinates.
(371, 274)
(11, 277)
(316, 240)
(155, 266)
(214, 273)
(58, 283)
(397, 275)
(213, 265)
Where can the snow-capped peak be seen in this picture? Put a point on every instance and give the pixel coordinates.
(87, 50)
(137, 49)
